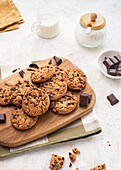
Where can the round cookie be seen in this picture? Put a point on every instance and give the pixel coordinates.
(75, 78)
(55, 88)
(42, 74)
(21, 121)
(65, 104)
(5, 93)
(35, 102)
(59, 73)
(18, 91)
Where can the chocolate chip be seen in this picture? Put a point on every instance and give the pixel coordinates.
(21, 73)
(55, 162)
(50, 62)
(20, 101)
(29, 69)
(70, 165)
(70, 153)
(33, 65)
(14, 70)
(27, 125)
(61, 163)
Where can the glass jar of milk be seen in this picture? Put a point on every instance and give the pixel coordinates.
(47, 25)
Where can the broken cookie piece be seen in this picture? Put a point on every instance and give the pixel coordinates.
(76, 151)
(56, 162)
(99, 167)
(72, 157)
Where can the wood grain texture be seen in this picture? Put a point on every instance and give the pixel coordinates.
(47, 123)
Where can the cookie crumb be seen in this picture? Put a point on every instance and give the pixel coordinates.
(99, 167)
(72, 157)
(70, 165)
(77, 168)
(76, 151)
(107, 141)
(56, 162)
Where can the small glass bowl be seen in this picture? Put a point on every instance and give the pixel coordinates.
(92, 39)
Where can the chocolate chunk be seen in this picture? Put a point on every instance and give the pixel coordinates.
(84, 100)
(14, 70)
(118, 57)
(112, 72)
(108, 63)
(112, 99)
(89, 96)
(70, 165)
(21, 73)
(57, 60)
(2, 118)
(33, 65)
(29, 69)
(50, 62)
(114, 60)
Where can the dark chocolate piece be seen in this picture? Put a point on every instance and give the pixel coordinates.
(118, 57)
(2, 118)
(21, 73)
(14, 70)
(112, 72)
(114, 60)
(29, 69)
(33, 65)
(112, 99)
(50, 62)
(70, 165)
(106, 58)
(57, 60)
(18, 68)
(84, 100)
(89, 96)
(108, 63)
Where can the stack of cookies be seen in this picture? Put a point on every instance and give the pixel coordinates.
(47, 89)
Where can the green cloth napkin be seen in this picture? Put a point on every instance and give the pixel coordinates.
(86, 126)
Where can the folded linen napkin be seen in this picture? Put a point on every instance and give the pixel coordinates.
(10, 17)
(86, 126)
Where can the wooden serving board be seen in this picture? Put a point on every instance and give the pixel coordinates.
(47, 123)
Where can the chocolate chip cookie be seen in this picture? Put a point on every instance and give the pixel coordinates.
(21, 121)
(35, 102)
(59, 73)
(55, 88)
(18, 91)
(65, 104)
(5, 93)
(42, 74)
(56, 162)
(76, 79)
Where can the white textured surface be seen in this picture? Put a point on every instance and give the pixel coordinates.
(22, 46)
